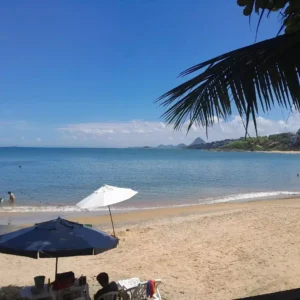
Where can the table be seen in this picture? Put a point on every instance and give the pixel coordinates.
(26, 292)
(75, 291)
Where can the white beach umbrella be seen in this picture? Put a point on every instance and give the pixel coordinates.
(105, 196)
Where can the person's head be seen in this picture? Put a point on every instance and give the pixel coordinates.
(103, 279)
(9, 193)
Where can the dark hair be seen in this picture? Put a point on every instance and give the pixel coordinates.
(9, 193)
(103, 278)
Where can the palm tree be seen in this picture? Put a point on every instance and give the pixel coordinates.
(254, 78)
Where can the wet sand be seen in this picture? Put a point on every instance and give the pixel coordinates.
(24, 219)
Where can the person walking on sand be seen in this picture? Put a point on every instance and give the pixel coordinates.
(12, 198)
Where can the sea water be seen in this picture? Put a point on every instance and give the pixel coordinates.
(55, 179)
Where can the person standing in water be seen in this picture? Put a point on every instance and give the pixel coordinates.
(12, 198)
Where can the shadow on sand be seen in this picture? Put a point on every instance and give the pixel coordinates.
(10, 292)
(284, 295)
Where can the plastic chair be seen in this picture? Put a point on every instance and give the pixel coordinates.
(109, 296)
(140, 292)
(70, 293)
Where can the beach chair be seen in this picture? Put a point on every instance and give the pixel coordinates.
(140, 292)
(109, 296)
(70, 293)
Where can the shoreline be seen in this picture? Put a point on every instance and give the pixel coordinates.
(140, 216)
(223, 150)
(279, 152)
(257, 151)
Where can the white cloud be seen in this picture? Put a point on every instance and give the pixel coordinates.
(140, 133)
(140, 130)
(133, 133)
(125, 131)
(92, 129)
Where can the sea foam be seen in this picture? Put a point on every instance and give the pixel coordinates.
(243, 197)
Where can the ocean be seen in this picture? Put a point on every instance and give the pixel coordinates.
(54, 179)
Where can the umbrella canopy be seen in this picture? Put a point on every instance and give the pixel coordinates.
(106, 196)
(56, 238)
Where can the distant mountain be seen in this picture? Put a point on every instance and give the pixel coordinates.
(198, 141)
(181, 146)
(166, 147)
(136, 147)
(275, 142)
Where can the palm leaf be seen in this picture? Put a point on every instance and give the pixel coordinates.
(253, 79)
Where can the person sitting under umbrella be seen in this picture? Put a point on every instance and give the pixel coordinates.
(107, 286)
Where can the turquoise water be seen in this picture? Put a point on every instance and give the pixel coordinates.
(45, 179)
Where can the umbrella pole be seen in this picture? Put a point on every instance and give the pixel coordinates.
(56, 267)
(112, 222)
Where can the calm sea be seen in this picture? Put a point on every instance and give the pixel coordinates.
(47, 179)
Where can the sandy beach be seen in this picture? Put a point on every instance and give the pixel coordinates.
(220, 251)
(281, 152)
(268, 152)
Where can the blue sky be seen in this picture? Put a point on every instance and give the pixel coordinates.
(99, 65)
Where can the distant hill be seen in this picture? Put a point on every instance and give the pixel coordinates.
(196, 143)
(216, 145)
(182, 146)
(275, 142)
(166, 147)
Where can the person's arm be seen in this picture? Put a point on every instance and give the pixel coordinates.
(98, 294)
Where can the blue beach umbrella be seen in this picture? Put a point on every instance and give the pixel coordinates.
(56, 238)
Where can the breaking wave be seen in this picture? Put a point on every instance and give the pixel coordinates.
(251, 196)
(74, 209)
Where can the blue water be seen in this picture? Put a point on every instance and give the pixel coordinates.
(162, 177)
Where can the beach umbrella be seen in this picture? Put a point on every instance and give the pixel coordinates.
(56, 238)
(106, 196)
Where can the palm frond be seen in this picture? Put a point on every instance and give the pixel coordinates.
(252, 79)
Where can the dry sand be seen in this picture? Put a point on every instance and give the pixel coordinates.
(219, 251)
